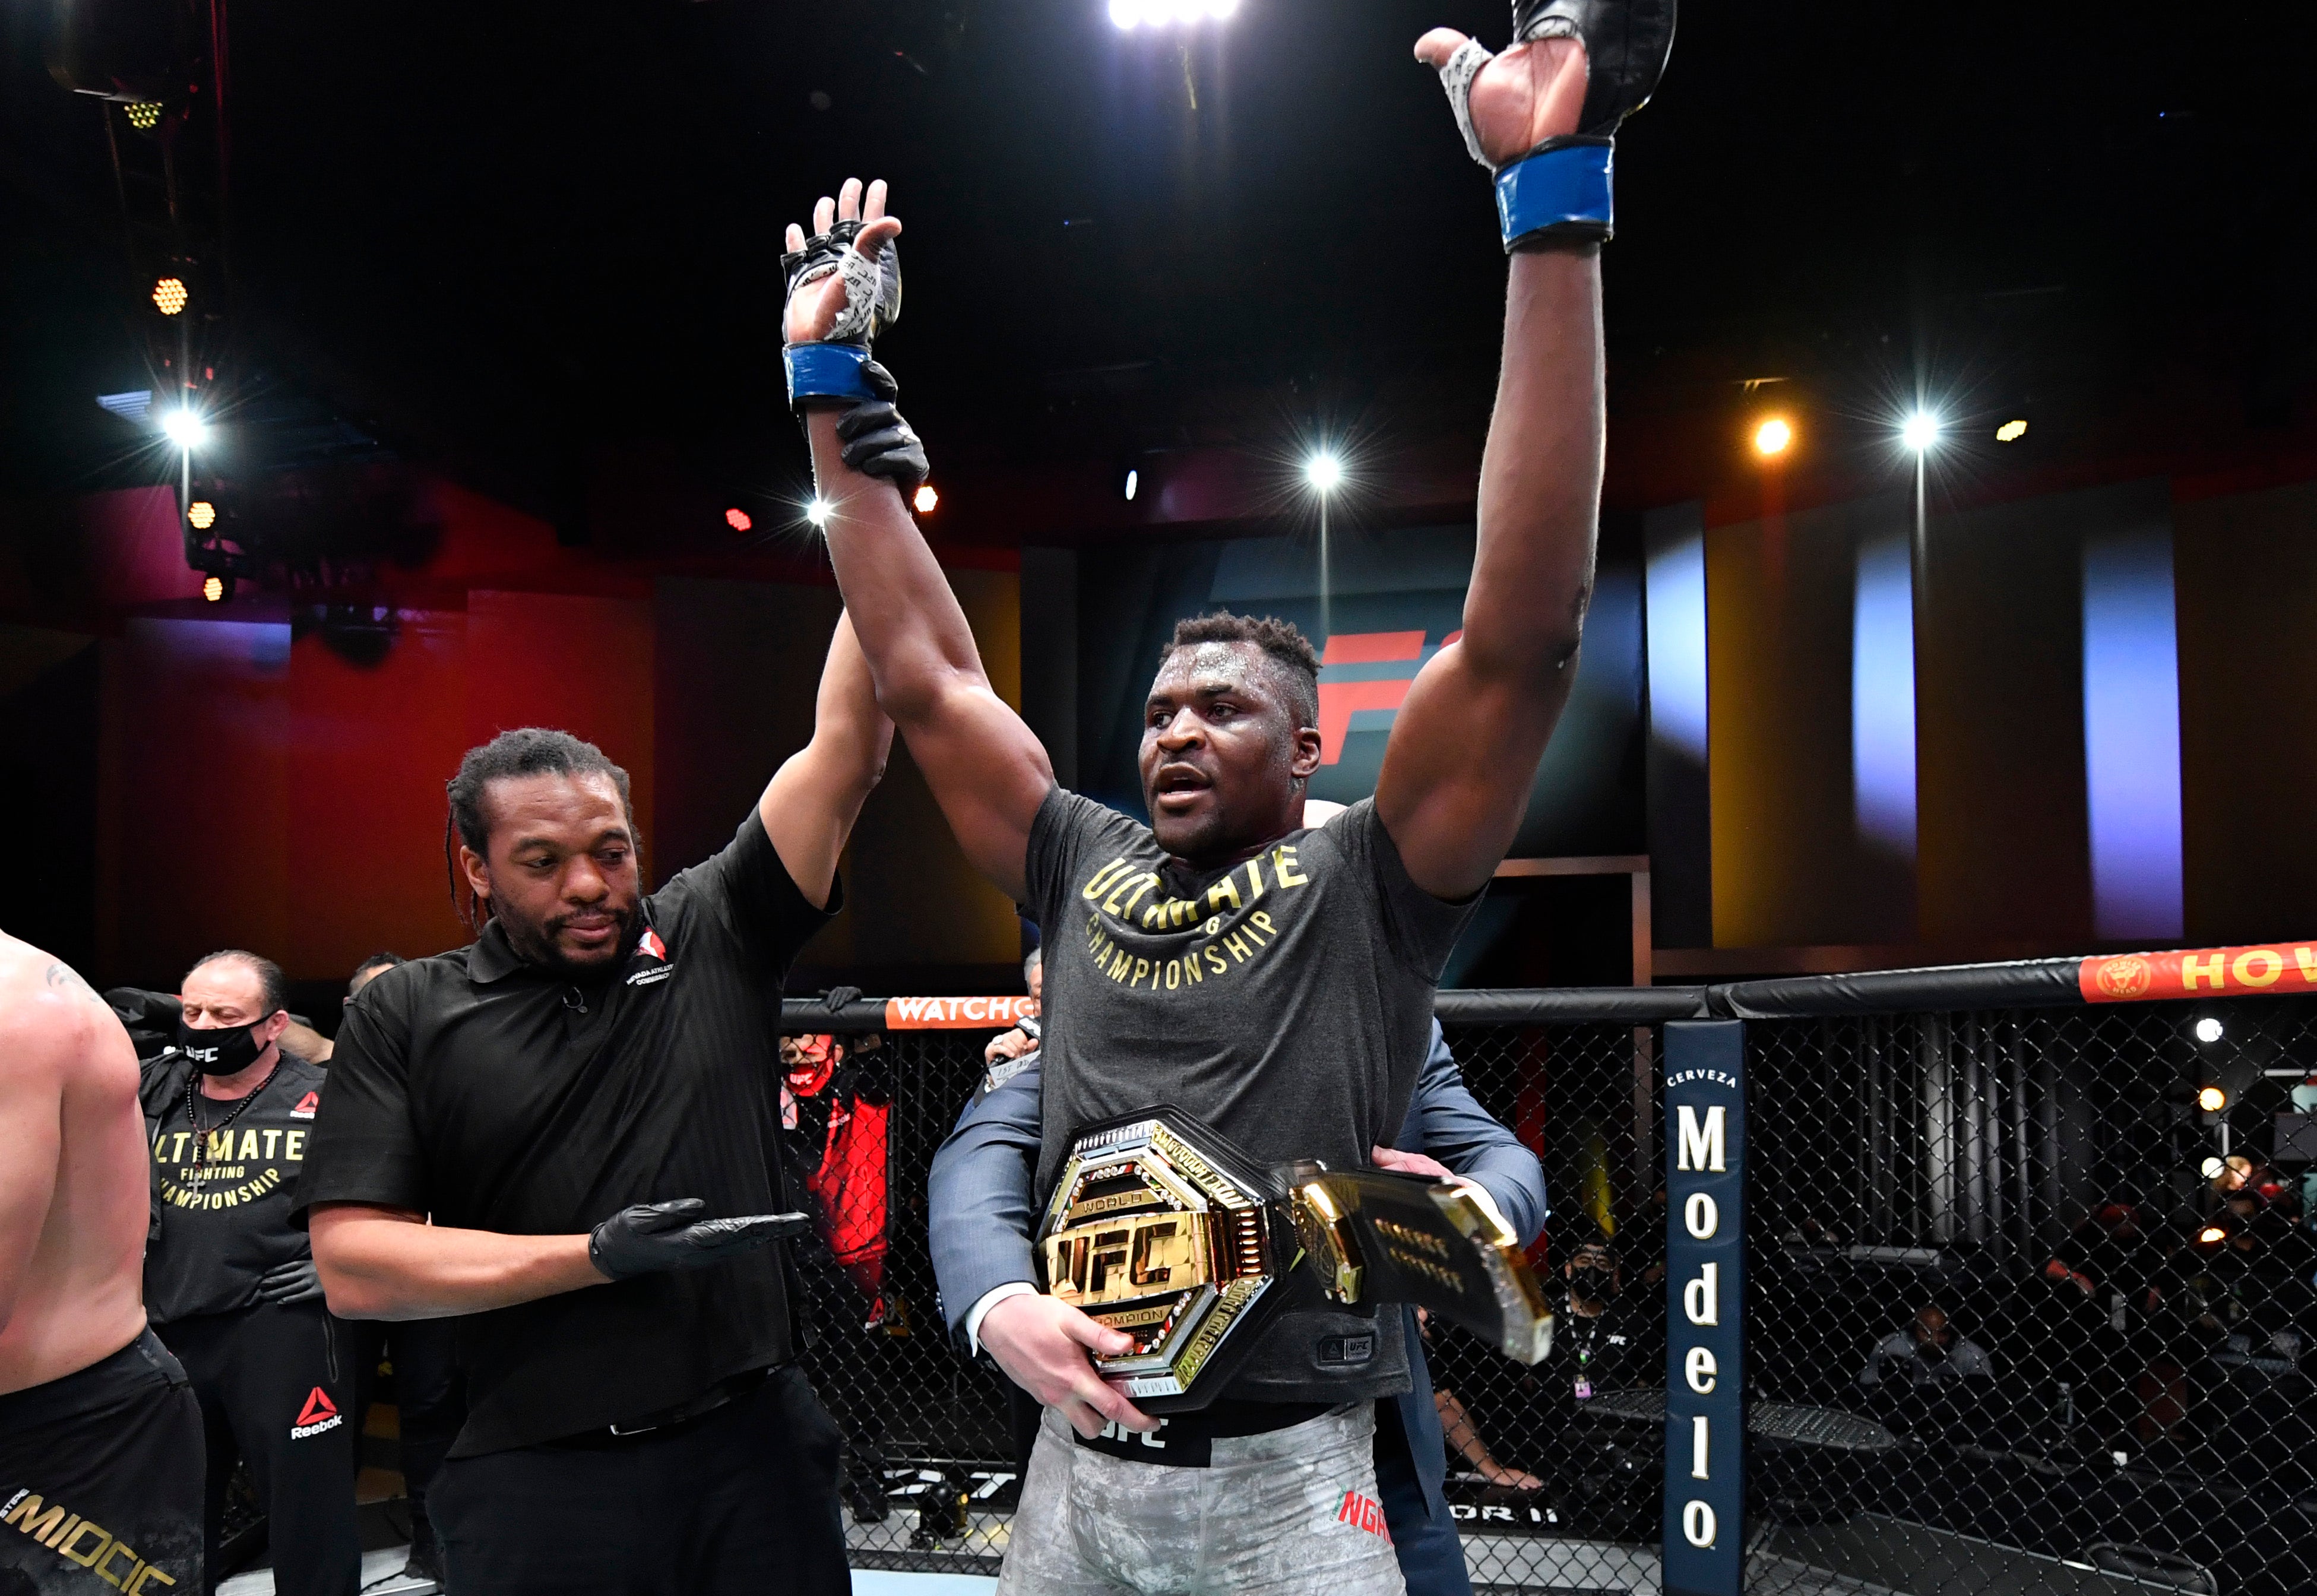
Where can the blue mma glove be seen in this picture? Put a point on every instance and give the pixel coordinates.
(828, 373)
(1559, 193)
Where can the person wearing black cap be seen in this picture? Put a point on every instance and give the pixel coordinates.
(230, 1281)
(566, 1136)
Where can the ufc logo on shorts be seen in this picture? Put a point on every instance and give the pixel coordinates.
(1363, 1512)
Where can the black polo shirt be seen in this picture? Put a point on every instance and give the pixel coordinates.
(496, 1095)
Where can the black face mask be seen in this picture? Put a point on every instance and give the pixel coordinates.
(1593, 1283)
(226, 1051)
(1933, 1350)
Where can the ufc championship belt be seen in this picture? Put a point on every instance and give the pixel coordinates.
(1161, 1227)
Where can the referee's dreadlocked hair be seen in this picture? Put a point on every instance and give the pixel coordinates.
(528, 751)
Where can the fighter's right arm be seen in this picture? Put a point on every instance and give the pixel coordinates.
(986, 769)
(34, 1050)
(389, 1263)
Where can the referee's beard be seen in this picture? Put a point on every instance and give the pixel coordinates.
(549, 943)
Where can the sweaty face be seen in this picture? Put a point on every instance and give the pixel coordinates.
(562, 876)
(1221, 752)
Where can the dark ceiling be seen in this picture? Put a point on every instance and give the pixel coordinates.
(513, 241)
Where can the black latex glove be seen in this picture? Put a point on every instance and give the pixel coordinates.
(653, 1236)
(837, 999)
(877, 442)
(294, 1282)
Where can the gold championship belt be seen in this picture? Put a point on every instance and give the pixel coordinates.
(1161, 1227)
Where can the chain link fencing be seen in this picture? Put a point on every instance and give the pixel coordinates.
(2023, 1314)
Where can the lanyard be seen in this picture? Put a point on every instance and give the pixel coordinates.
(199, 1172)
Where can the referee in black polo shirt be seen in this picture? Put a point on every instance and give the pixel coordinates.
(586, 1103)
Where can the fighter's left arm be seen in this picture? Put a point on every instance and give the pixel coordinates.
(1465, 751)
(810, 805)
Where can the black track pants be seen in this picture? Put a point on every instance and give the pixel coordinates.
(101, 1481)
(273, 1393)
(737, 1502)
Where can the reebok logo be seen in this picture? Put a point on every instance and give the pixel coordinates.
(306, 1106)
(318, 1414)
(649, 946)
(1363, 1512)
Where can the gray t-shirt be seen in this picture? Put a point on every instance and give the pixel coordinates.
(1286, 1001)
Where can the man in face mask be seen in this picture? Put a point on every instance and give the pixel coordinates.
(230, 1282)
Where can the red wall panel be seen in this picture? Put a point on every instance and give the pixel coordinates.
(373, 741)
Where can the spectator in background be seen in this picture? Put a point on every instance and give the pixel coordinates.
(430, 1404)
(1011, 1052)
(837, 1098)
(230, 1282)
(1928, 1354)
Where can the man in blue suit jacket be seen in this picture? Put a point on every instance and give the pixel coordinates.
(984, 1212)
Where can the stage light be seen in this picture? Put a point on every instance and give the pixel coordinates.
(1131, 15)
(2208, 1030)
(1920, 432)
(2213, 1167)
(1772, 437)
(927, 500)
(816, 513)
(213, 589)
(2011, 432)
(185, 429)
(2211, 1100)
(739, 520)
(1133, 485)
(202, 515)
(1324, 471)
(2212, 1234)
(169, 296)
(144, 114)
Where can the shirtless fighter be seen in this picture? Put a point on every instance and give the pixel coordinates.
(100, 1432)
(1274, 980)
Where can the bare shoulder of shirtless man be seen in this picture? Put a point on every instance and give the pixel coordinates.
(74, 1188)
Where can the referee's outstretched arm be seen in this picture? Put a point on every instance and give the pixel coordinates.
(385, 1262)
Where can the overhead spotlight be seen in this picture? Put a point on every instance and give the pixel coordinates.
(1133, 485)
(169, 295)
(144, 114)
(213, 589)
(1920, 432)
(1773, 437)
(2211, 1234)
(2211, 1100)
(927, 500)
(201, 514)
(1131, 15)
(2208, 1031)
(185, 429)
(2213, 1168)
(816, 513)
(739, 520)
(2011, 432)
(1324, 471)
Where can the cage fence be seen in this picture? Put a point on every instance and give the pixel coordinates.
(2028, 1307)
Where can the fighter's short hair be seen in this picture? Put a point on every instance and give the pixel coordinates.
(1282, 642)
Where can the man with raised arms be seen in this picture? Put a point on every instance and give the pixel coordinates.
(100, 1432)
(1273, 980)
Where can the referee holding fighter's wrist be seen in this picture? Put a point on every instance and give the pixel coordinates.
(565, 1136)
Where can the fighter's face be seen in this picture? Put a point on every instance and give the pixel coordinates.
(1223, 756)
(562, 876)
